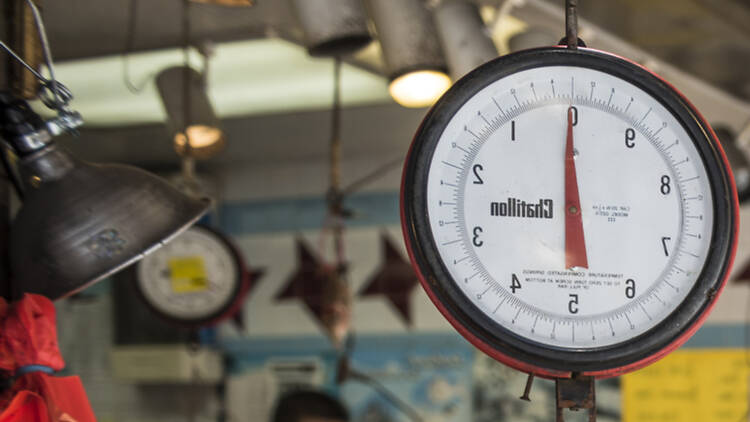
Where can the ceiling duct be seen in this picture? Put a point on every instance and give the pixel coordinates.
(466, 41)
(413, 58)
(333, 27)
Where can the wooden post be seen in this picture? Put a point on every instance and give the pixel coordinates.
(23, 38)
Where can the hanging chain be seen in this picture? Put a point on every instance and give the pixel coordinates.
(335, 198)
(187, 76)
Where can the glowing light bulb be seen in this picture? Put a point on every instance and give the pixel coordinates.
(205, 141)
(419, 88)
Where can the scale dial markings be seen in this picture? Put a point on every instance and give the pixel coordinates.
(193, 278)
(488, 177)
(562, 208)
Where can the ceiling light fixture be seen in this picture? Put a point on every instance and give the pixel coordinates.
(333, 27)
(414, 61)
(79, 222)
(191, 120)
(419, 88)
(190, 116)
(465, 40)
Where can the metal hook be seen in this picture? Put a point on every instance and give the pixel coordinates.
(55, 97)
(571, 23)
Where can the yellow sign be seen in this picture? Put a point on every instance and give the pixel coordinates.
(188, 274)
(690, 385)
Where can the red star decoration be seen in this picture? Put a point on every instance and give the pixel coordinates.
(324, 292)
(395, 279)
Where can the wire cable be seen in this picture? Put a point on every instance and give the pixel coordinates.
(386, 394)
(26, 65)
(129, 47)
(379, 172)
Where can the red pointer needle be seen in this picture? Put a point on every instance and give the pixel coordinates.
(575, 244)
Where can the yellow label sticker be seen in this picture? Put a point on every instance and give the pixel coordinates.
(707, 385)
(188, 274)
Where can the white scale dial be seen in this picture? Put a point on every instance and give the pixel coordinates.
(192, 277)
(497, 195)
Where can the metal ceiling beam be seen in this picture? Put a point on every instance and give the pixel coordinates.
(719, 107)
(80, 29)
(733, 12)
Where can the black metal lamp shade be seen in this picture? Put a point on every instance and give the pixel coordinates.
(81, 222)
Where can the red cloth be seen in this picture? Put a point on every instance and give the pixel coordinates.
(28, 336)
(63, 399)
(26, 407)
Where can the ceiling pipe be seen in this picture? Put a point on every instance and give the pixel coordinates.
(413, 59)
(333, 27)
(466, 41)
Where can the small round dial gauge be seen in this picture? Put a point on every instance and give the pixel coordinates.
(195, 279)
(568, 211)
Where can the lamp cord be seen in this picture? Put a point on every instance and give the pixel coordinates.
(335, 206)
(334, 219)
(129, 47)
(26, 65)
(379, 172)
(187, 75)
(384, 392)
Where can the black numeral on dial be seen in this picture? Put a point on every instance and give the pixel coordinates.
(630, 288)
(575, 115)
(477, 231)
(573, 304)
(514, 283)
(665, 188)
(664, 244)
(629, 138)
(476, 169)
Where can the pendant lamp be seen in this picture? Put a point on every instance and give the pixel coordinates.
(413, 58)
(191, 119)
(79, 222)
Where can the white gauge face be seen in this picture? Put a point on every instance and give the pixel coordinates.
(192, 277)
(638, 228)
